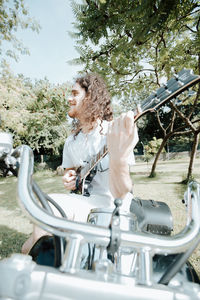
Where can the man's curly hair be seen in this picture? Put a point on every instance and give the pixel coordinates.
(96, 104)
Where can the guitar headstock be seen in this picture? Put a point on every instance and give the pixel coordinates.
(174, 86)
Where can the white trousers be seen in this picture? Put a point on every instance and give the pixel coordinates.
(77, 207)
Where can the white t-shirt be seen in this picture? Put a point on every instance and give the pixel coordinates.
(79, 150)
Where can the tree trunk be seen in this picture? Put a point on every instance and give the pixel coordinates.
(192, 157)
(152, 174)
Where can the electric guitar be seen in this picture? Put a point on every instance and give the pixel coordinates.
(174, 86)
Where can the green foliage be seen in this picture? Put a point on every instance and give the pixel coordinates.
(135, 44)
(47, 128)
(14, 15)
(11, 241)
(14, 98)
(152, 148)
(35, 114)
(182, 143)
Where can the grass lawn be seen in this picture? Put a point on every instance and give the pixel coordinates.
(15, 226)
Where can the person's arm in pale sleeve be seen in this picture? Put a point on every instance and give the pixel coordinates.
(121, 139)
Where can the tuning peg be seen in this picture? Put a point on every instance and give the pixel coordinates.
(165, 86)
(156, 99)
(178, 79)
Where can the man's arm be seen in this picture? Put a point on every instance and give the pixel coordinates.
(121, 138)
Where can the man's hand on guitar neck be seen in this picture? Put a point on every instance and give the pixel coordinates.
(121, 139)
(121, 136)
(69, 179)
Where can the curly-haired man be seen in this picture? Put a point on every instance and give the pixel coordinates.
(90, 107)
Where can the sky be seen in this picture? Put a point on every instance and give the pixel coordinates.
(52, 47)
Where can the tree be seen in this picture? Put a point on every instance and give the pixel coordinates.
(194, 128)
(182, 120)
(14, 15)
(47, 127)
(35, 114)
(151, 149)
(137, 44)
(14, 99)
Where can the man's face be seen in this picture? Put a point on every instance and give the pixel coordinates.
(75, 100)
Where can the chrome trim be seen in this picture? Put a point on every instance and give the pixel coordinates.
(178, 243)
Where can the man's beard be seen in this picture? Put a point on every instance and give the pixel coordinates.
(73, 112)
(76, 112)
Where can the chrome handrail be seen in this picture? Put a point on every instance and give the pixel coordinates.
(149, 243)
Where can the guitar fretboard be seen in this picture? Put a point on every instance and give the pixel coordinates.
(93, 162)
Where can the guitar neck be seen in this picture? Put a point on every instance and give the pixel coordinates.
(93, 162)
(175, 86)
(97, 158)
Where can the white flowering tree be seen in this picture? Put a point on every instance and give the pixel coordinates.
(35, 114)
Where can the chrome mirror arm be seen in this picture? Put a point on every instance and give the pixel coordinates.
(173, 244)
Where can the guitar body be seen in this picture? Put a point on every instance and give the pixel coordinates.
(82, 185)
(86, 182)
